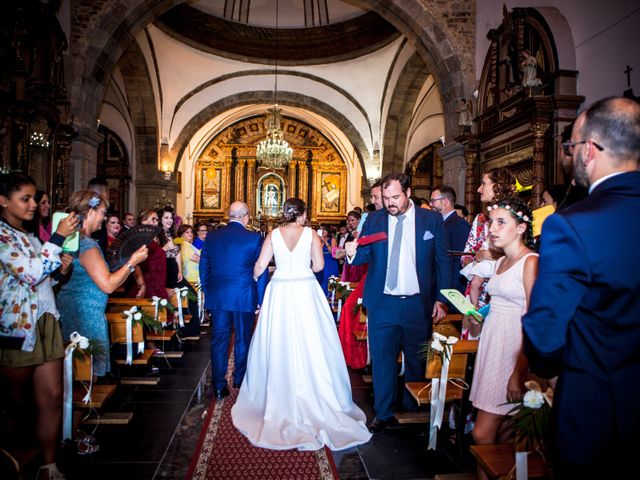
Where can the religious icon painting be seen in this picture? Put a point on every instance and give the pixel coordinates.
(330, 188)
(211, 181)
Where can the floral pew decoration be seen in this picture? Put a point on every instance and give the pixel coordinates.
(161, 304)
(135, 320)
(182, 297)
(530, 419)
(440, 350)
(78, 357)
(339, 290)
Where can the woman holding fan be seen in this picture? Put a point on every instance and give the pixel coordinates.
(82, 301)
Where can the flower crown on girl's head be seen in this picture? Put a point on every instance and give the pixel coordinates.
(519, 213)
(94, 202)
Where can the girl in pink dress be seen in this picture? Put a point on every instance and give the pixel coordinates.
(501, 367)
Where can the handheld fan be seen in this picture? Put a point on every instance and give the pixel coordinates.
(127, 242)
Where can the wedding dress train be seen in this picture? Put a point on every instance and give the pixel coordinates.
(296, 392)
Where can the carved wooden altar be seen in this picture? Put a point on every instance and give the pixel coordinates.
(228, 171)
(525, 101)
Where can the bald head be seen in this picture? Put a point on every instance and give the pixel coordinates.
(239, 211)
(606, 139)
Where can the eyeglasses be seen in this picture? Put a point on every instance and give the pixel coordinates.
(203, 231)
(567, 147)
(434, 200)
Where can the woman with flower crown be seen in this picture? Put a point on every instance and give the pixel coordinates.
(82, 300)
(501, 367)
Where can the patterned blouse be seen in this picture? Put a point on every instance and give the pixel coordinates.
(21, 270)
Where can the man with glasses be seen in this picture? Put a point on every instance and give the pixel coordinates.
(583, 322)
(231, 294)
(456, 229)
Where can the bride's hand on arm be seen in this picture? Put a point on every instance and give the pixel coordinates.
(317, 259)
(263, 260)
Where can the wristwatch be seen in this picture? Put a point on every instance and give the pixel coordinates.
(131, 269)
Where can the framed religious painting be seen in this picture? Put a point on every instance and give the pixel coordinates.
(329, 192)
(212, 188)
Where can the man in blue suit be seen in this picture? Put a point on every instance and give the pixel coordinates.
(584, 317)
(231, 294)
(456, 228)
(403, 281)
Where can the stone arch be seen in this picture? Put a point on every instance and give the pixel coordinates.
(142, 107)
(108, 32)
(401, 106)
(284, 98)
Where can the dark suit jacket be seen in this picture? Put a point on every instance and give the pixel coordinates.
(584, 322)
(226, 269)
(457, 231)
(432, 264)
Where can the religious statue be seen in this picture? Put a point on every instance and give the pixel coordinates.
(464, 115)
(529, 68)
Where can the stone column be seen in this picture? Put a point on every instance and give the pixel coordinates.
(84, 157)
(539, 130)
(453, 168)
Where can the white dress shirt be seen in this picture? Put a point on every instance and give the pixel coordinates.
(407, 274)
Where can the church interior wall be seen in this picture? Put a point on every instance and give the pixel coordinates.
(427, 121)
(595, 29)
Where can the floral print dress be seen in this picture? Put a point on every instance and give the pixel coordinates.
(21, 270)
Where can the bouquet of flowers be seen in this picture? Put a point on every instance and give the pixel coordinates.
(338, 288)
(439, 345)
(530, 418)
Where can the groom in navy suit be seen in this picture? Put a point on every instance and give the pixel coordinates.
(584, 317)
(403, 281)
(231, 295)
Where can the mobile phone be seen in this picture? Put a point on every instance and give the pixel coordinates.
(72, 242)
(319, 231)
(80, 219)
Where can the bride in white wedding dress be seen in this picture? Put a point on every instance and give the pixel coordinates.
(296, 392)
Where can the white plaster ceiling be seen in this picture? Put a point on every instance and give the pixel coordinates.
(291, 13)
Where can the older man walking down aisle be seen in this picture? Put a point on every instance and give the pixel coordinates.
(231, 294)
(583, 321)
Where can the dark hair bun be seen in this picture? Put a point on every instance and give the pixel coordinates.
(292, 209)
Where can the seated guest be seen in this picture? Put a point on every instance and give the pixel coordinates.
(31, 346)
(113, 228)
(82, 300)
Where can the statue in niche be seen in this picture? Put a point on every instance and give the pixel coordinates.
(529, 68)
(464, 115)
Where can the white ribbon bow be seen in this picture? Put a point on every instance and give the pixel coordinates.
(77, 341)
(130, 315)
(439, 386)
(180, 293)
(200, 302)
(157, 302)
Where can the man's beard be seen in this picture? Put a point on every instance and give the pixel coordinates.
(580, 171)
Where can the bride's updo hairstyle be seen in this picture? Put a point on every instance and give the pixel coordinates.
(293, 208)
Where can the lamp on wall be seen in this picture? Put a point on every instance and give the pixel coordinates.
(274, 151)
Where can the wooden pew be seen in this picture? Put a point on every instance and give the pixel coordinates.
(421, 391)
(498, 461)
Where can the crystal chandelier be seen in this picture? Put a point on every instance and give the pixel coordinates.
(274, 151)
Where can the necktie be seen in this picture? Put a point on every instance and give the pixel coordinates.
(394, 259)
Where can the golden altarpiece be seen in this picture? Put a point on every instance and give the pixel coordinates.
(228, 171)
(525, 101)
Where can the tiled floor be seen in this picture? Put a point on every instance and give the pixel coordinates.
(162, 437)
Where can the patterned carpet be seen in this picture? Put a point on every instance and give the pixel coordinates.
(224, 453)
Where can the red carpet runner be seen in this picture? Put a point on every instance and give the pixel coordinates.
(225, 454)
